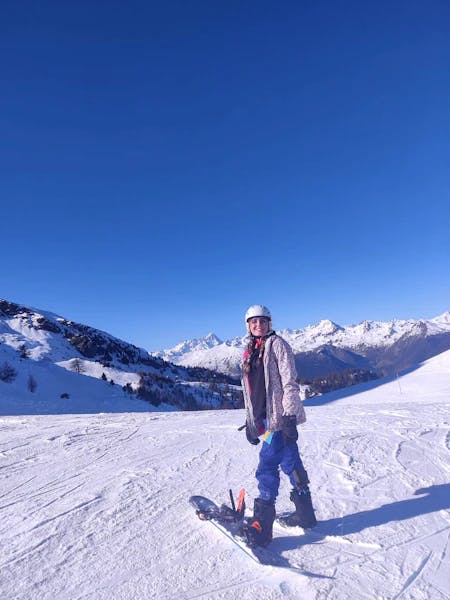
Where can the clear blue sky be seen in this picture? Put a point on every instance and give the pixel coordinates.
(165, 164)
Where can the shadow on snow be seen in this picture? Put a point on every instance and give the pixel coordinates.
(432, 499)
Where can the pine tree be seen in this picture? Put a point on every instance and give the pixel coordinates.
(7, 373)
(32, 383)
(23, 351)
(76, 365)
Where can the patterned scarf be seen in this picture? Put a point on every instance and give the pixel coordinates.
(254, 352)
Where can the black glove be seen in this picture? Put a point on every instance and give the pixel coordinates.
(254, 441)
(289, 429)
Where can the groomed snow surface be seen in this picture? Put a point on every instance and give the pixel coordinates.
(96, 506)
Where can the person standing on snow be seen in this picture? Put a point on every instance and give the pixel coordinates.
(273, 411)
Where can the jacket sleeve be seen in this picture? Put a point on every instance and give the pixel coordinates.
(292, 404)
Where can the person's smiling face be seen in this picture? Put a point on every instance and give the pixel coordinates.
(259, 326)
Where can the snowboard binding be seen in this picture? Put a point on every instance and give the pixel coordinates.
(207, 510)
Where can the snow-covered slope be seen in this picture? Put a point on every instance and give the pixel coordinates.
(60, 366)
(96, 506)
(389, 346)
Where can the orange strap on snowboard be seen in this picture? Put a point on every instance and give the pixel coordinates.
(240, 509)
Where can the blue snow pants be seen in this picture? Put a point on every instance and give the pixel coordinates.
(273, 455)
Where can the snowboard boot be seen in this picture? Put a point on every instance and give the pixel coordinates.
(304, 512)
(258, 529)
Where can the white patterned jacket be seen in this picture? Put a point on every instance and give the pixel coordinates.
(282, 390)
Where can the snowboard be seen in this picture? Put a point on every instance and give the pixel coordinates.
(229, 521)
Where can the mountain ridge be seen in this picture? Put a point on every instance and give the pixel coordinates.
(83, 369)
(378, 344)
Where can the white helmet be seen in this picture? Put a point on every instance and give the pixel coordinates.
(258, 310)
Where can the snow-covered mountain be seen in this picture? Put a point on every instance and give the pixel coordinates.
(48, 362)
(209, 341)
(384, 346)
(220, 356)
(96, 506)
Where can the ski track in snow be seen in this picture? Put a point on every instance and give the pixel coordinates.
(96, 506)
